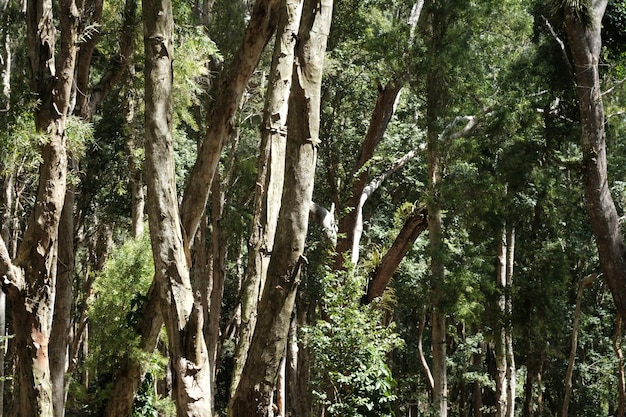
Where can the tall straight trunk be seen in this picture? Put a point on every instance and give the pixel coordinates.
(182, 316)
(219, 247)
(63, 305)
(585, 282)
(435, 100)
(438, 318)
(500, 336)
(621, 378)
(270, 177)
(31, 278)
(258, 379)
(508, 325)
(585, 45)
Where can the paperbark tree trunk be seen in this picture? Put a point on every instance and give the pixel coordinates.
(258, 379)
(183, 318)
(270, 177)
(260, 28)
(435, 97)
(31, 277)
(585, 45)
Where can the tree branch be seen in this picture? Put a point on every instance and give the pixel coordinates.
(561, 47)
(380, 277)
(12, 279)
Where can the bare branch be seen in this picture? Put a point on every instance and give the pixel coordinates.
(617, 85)
(561, 46)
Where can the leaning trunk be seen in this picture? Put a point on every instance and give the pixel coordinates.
(182, 316)
(253, 395)
(585, 44)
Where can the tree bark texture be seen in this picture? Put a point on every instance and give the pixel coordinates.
(505, 360)
(260, 29)
(262, 26)
(63, 305)
(585, 45)
(182, 316)
(31, 280)
(270, 177)
(258, 379)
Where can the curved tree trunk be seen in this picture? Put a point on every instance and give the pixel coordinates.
(380, 277)
(258, 379)
(262, 26)
(585, 45)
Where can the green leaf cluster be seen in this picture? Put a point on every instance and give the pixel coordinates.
(349, 348)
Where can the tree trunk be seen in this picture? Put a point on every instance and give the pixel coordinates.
(585, 46)
(585, 282)
(381, 116)
(508, 325)
(500, 336)
(420, 350)
(7, 186)
(31, 280)
(63, 305)
(621, 379)
(270, 177)
(219, 247)
(413, 227)
(258, 379)
(182, 316)
(262, 25)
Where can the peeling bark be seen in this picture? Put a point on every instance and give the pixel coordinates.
(258, 379)
(182, 316)
(270, 177)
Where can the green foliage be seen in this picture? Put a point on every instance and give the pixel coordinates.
(118, 289)
(116, 307)
(19, 142)
(148, 404)
(193, 49)
(350, 348)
